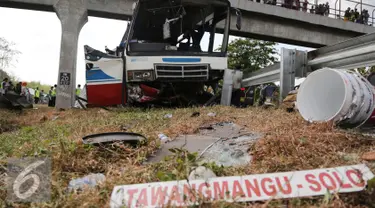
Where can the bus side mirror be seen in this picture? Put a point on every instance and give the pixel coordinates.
(239, 19)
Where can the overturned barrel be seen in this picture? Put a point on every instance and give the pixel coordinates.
(337, 95)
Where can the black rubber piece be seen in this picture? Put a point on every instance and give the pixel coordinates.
(111, 137)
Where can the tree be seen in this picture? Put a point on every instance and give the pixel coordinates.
(7, 54)
(34, 84)
(251, 55)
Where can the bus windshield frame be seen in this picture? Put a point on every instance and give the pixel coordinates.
(188, 21)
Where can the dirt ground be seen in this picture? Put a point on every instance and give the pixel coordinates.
(288, 144)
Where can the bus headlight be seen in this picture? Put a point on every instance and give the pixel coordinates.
(140, 75)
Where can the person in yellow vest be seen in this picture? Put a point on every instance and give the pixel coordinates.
(78, 90)
(37, 95)
(52, 96)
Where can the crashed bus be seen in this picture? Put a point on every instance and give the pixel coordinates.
(160, 57)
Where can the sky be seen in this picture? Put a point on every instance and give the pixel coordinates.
(37, 36)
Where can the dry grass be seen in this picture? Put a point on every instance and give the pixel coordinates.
(289, 143)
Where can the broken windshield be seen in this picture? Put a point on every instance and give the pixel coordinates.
(162, 27)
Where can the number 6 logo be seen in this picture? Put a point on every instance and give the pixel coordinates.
(23, 177)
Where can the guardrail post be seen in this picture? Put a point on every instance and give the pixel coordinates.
(336, 9)
(73, 16)
(293, 65)
(226, 93)
(287, 73)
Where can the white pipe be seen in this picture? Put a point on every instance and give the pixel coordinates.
(337, 95)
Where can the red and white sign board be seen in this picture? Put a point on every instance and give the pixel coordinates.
(243, 188)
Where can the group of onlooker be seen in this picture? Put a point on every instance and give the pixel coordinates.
(320, 9)
(355, 16)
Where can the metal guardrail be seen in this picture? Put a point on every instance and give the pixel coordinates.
(353, 53)
(265, 75)
(292, 65)
(350, 54)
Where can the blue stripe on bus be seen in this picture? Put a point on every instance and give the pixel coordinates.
(97, 74)
(176, 60)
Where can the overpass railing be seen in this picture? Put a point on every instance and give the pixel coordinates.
(350, 54)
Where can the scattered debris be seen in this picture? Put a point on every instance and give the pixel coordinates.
(280, 185)
(163, 138)
(195, 114)
(230, 152)
(192, 143)
(88, 181)
(369, 156)
(168, 116)
(55, 118)
(111, 137)
(290, 101)
(223, 130)
(211, 114)
(201, 173)
(224, 143)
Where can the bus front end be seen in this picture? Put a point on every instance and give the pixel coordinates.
(173, 48)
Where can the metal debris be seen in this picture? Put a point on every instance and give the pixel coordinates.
(231, 152)
(224, 143)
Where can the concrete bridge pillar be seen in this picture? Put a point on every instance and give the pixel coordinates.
(73, 16)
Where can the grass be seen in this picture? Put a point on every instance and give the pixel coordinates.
(289, 143)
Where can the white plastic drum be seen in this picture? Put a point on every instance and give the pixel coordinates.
(338, 95)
